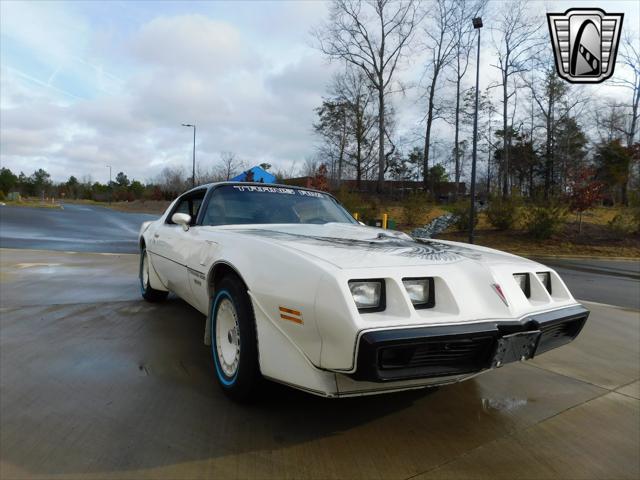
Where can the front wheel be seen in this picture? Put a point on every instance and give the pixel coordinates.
(148, 293)
(233, 340)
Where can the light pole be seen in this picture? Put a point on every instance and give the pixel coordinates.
(477, 24)
(193, 176)
(110, 186)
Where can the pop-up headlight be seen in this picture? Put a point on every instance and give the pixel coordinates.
(523, 282)
(420, 291)
(545, 278)
(368, 294)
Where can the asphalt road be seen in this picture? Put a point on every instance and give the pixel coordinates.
(614, 282)
(77, 228)
(82, 228)
(96, 383)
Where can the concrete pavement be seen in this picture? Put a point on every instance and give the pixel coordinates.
(96, 383)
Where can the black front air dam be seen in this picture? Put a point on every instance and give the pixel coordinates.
(439, 351)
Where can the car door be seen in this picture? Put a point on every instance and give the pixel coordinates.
(171, 245)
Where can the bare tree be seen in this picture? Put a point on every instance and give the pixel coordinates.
(172, 180)
(463, 31)
(515, 45)
(333, 128)
(554, 102)
(355, 89)
(310, 167)
(230, 165)
(442, 44)
(372, 36)
(346, 123)
(610, 119)
(630, 56)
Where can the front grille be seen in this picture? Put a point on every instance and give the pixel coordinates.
(449, 350)
(438, 357)
(557, 334)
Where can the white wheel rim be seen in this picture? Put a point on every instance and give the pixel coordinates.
(227, 337)
(145, 270)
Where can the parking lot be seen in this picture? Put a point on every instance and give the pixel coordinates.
(96, 383)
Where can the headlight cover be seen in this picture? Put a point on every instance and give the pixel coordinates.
(420, 291)
(545, 278)
(523, 282)
(368, 294)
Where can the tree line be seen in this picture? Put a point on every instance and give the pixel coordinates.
(167, 185)
(537, 134)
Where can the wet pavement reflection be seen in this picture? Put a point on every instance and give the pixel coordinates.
(96, 383)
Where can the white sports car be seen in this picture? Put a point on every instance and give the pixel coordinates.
(297, 291)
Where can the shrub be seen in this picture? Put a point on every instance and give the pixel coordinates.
(502, 214)
(626, 222)
(461, 211)
(542, 221)
(367, 209)
(2, 196)
(414, 208)
(349, 200)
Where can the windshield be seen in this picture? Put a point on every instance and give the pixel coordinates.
(250, 204)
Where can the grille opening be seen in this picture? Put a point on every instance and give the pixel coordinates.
(439, 356)
(558, 334)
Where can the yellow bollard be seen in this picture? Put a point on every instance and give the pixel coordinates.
(385, 220)
(355, 215)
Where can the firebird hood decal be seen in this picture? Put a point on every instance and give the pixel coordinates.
(383, 243)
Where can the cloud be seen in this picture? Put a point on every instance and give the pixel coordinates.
(182, 68)
(192, 43)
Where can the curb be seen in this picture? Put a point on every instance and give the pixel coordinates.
(577, 257)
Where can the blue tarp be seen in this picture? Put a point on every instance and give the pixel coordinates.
(259, 175)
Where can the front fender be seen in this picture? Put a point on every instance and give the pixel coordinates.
(282, 284)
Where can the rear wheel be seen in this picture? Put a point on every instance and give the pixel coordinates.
(233, 340)
(148, 293)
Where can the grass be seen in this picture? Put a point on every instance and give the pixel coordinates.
(520, 243)
(595, 240)
(32, 203)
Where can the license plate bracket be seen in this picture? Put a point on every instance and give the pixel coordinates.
(516, 347)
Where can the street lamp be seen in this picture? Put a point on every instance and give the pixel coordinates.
(110, 186)
(477, 24)
(193, 176)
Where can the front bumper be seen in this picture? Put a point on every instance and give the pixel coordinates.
(440, 351)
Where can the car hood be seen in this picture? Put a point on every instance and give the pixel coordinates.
(356, 246)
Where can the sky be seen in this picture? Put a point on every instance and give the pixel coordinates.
(89, 84)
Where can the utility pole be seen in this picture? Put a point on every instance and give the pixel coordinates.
(110, 185)
(193, 175)
(477, 24)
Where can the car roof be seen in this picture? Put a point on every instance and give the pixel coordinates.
(256, 184)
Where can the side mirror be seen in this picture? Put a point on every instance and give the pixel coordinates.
(181, 219)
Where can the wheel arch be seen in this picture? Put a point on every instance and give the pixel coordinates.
(217, 272)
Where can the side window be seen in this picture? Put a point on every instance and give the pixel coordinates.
(195, 206)
(189, 204)
(182, 207)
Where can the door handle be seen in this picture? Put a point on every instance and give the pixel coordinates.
(156, 235)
